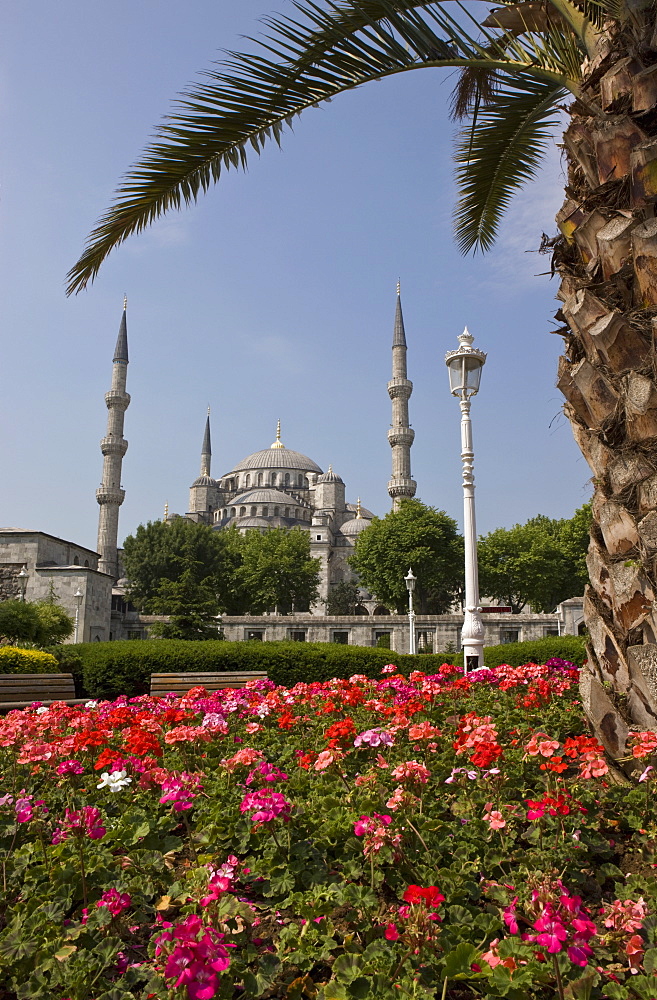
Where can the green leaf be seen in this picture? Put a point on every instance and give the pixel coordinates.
(65, 952)
(460, 959)
(347, 967)
(650, 960)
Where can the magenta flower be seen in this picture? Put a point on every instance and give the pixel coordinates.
(115, 901)
(374, 738)
(86, 821)
(178, 790)
(27, 805)
(195, 955)
(266, 772)
(553, 933)
(265, 806)
(70, 767)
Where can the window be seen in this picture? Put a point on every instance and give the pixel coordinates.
(86, 563)
(318, 538)
(342, 638)
(287, 511)
(265, 511)
(247, 481)
(300, 481)
(298, 636)
(254, 635)
(382, 639)
(134, 635)
(277, 511)
(509, 635)
(287, 478)
(380, 609)
(76, 560)
(232, 512)
(254, 511)
(242, 511)
(273, 478)
(551, 630)
(260, 479)
(425, 642)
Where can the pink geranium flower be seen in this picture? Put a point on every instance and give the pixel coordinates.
(265, 805)
(115, 901)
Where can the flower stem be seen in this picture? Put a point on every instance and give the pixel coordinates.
(85, 898)
(189, 834)
(557, 973)
(444, 993)
(418, 834)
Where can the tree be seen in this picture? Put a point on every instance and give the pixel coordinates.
(542, 562)
(42, 623)
(162, 551)
(517, 65)
(418, 536)
(277, 570)
(342, 599)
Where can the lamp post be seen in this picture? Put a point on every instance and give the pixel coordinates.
(410, 586)
(22, 582)
(77, 597)
(465, 366)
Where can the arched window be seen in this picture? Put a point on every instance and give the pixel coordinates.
(86, 563)
(265, 511)
(287, 511)
(287, 478)
(360, 610)
(232, 512)
(254, 511)
(273, 478)
(277, 511)
(242, 511)
(76, 560)
(300, 480)
(260, 479)
(247, 481)
(380, 610)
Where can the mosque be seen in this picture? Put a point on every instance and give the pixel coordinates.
(273, 487)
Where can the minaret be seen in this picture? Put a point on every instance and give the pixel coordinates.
(206, 449)
(401, 434)
(110, 495)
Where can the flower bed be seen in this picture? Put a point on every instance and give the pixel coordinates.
(431, 836)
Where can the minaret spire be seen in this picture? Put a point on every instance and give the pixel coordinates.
(206, 450)
(113, 446)
(401, 434)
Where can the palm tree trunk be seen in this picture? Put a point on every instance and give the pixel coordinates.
(606, 257)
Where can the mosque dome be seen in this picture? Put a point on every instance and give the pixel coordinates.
(253, 522)
(329, 477)
(264, 496)
(204, 481)
(354, 526)
(277, 458)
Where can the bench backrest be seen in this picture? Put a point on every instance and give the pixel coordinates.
(36, 687)
(181, 683)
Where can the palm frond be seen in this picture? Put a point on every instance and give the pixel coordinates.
(249, 98)
(500, 152)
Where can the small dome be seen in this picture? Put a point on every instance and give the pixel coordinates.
(265, 495)
(204, 481)
(329, 477)
(253, 522)
(354, 526)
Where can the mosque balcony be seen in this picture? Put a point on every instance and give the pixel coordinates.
(113, 446)
(400, 388)
(110, 494)
(401, 435)
(115, 399)
(402, 487)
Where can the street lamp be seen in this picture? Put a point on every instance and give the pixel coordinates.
(77, 597)
(410, 586)
(464, 376)
(22, 582)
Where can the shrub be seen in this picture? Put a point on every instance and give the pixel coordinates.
(26, 661)
(69, 660)
(113, 668)
(566, 647)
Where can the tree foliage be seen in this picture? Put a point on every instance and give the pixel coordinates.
(343, 598)
(192, 572)
(418, 536)
(40, 623)
(542, 562)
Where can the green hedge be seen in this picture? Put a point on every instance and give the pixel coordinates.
(108, 669)
(26, 661)
(567, 647)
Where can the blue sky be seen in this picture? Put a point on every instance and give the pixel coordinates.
(273, 297)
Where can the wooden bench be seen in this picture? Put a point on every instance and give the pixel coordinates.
(180, 684)
(20, 690)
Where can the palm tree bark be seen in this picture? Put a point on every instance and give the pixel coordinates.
(606, 257)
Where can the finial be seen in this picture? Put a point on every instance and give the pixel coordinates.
(278, 443)
(398, 287)
(466, 337)
(359, 512)
(125, 302)
(330, 470)
(166, 511)
(208, 409)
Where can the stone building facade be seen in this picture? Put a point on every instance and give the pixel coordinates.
(68, 567)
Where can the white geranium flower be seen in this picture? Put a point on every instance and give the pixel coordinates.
(114, 781)
(90, 704)
(41, 710)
